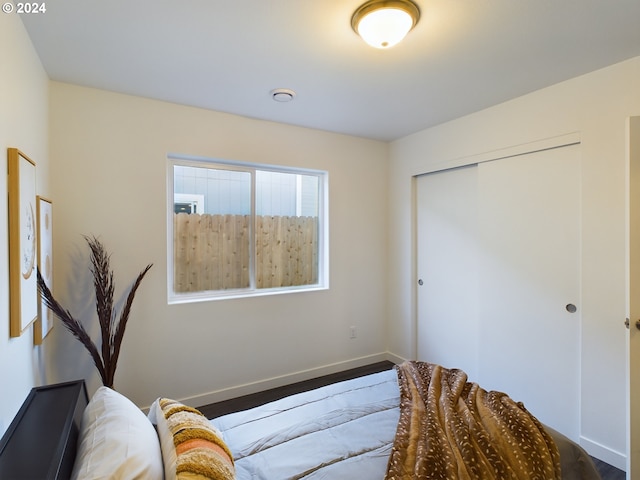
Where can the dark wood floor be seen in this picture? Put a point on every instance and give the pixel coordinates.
(608, 472)
(214, 410)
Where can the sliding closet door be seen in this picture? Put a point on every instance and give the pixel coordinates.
(447, 291)
(498, 278)
(529, 264)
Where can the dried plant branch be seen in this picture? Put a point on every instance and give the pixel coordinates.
(116, 337)
(111, 328)
(104, 288)
(71, 324)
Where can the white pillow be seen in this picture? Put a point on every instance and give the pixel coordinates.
(116, 441)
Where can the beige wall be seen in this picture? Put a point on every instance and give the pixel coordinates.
(109, 170)
(23, 125)
(596, 106)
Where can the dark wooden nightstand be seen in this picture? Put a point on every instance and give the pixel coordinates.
(41, 441)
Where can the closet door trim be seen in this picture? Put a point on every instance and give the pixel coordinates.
(512, 151)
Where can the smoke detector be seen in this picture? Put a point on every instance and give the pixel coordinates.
(283, 95)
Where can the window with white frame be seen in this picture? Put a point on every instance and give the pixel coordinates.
(238, 229)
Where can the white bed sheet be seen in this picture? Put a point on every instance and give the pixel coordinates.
(341, 431)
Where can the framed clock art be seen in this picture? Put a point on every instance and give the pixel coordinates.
(23, 231)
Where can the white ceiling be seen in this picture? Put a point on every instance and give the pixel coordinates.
(227, 55)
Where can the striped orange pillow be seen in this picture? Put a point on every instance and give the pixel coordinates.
(192, 448)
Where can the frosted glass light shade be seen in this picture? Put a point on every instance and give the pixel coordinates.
(382, 24)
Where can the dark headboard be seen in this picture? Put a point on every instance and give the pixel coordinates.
(42, 439)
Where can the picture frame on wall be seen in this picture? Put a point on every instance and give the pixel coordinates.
(23, 233)
(44, 214)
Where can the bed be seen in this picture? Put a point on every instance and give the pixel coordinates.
(341, 431)
(354, 429)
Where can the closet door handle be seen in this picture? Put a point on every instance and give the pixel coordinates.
(627, 323)
(420, 282)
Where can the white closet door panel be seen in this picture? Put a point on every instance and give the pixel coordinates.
(447, 298)
(529, 264)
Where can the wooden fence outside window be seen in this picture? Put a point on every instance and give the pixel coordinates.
(211, 252)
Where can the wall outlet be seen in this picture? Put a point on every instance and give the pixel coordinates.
(353, 333)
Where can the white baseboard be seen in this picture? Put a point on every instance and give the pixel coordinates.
(275, 382)
(392, 357)
(612, 457)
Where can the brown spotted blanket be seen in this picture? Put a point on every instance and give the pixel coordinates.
(453, 429)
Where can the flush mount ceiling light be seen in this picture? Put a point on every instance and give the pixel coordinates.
(283, 94)
(384, 23)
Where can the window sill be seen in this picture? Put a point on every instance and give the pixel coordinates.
(176, 299)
